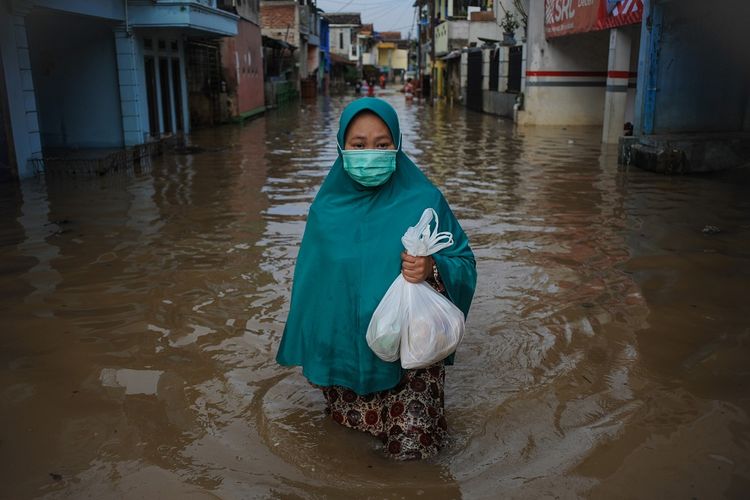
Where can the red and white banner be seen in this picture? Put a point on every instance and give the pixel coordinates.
(565, 17)
(625, 12)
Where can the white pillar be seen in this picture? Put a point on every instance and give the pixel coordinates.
(486, 69)
(172, 103)
(616, 97)
(157, 72)
(127, 76)
(183, 85)
(19, 86)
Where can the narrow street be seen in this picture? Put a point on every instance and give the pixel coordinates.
(608, 338)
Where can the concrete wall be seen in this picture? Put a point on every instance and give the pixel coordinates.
(401, 59)
(313, 58)
(75, 78)
(279, 20)
(243, 68)
(393, 58)
(484, 29)
(498, 103)
(249, 10)
(450, 35)
(566, 76)
(702, 68)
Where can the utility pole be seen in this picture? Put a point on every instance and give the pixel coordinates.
(419, 41)
(432, 48)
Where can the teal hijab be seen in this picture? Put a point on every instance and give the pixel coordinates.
(350, 255)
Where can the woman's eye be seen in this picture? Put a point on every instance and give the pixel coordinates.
(358, 145)
(383, 146)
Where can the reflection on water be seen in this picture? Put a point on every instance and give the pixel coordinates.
(607, 340)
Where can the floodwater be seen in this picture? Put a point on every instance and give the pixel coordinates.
(607, 352)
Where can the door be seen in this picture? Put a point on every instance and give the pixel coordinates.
(177, 93)
(474, 81)
(153, 110)
(514, 68)
(166, 99)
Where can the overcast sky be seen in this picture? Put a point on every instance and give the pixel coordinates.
(386, 15)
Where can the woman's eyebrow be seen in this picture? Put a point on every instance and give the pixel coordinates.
(387, 137)
(360, 136)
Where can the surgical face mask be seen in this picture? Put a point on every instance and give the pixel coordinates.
(369, 167)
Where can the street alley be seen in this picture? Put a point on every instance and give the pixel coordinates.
(608, 340)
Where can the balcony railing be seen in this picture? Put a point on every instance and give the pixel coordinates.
(207, 3)
(198, 15)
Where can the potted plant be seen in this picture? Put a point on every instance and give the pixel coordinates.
(509, 24)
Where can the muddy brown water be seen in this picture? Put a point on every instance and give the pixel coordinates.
(607, 352)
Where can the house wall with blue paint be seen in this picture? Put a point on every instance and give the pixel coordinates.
(97, 73)
(694, 72)
(73, 63)
(325, 52)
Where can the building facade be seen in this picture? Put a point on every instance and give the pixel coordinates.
(392, 55)
(242, 62)
(96, 75)
(324, 74)
(539, 62)
(294, 25)
(692, 104)
(582, 64)
(344, 27)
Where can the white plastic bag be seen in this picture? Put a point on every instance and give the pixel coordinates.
(413, 320)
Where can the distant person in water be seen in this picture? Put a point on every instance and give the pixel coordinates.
(371, 88)
(350, 254)
(408, 90)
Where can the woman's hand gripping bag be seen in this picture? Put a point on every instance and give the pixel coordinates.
(413, 320)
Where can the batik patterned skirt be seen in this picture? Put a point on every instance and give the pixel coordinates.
(409, 419)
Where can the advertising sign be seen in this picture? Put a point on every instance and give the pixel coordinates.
(566, 17)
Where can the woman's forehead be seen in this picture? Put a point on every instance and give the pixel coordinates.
(366, 124)
(368, 119)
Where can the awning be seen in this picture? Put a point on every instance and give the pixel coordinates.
(277, 44)
(338, 59)
(565, 17)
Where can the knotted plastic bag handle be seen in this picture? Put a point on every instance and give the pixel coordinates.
(420, 241)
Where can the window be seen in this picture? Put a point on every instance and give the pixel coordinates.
(341, 39)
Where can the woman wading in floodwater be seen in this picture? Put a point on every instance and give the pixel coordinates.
(350, 254)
